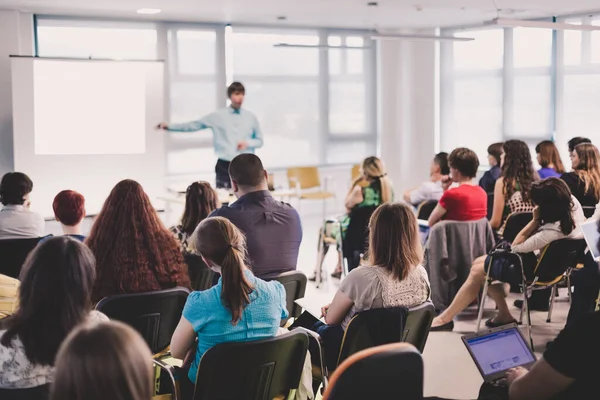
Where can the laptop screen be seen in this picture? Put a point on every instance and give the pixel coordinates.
(591, 235)
(499, 351)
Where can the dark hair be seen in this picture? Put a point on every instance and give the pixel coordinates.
(247, 170)
(553, 197)
(200, 201)
(576, 141)
(134, 251)
(14, 186)
(518, 169)
(495, 150)
(394, 239)
(107, 360)
(221, 242)
(441, 159)
(55, 296)
(69, 207)
(549, 156)
(235, 87)
(465, 161)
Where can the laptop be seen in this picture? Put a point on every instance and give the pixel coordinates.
(591, 235)
(498, 349)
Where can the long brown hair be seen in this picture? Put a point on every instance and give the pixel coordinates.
(553, 197)
(134, 251)
(549, 155)
(54, 297)
(200, 201)
(518, 169)
(374, 169)
(108, 360)
(394, 241)
(588, 168)
(221, 242)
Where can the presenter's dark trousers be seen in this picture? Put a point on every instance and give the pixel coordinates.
(222, 171)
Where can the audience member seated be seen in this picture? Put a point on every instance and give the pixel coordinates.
(549, 159)
(240, 307)
(431, 189)
(467, 201)
(134, 252)
(273, 229)
(200, 201)
(394, 276)
(511, 193)
(54, 297)
(17, 221)
(488, 180)
(584, 180)
(69, 211)
(567, 371)
(369, 190)
(105, 361)
(557, 215)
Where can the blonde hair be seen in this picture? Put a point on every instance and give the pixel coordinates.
(588, 169)
(221, 242)
(374, 169)
(394, 241)
(107, 360)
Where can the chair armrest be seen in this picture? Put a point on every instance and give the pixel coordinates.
(173, 373)
(321, 362)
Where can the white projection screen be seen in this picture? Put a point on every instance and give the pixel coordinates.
(87, 124)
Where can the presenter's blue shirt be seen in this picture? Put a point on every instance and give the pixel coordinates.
(211, 320)
(230, 126)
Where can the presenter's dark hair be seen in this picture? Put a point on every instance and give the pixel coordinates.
(576, 141)
(247, 170)
(14, 186)
(200, 201)
(236, 87)
(54, 297)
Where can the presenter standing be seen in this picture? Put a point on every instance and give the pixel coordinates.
(235, 131)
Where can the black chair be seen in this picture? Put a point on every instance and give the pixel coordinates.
(490, 205)
(256, 370)
(425, 209)
(35, 393)
(588, 211)
(154, 315)
(393, 371)
(294, 283)
(373, 328)
(357, 234)
(13, 253)
(418, 324)
(201, 276)
(515, 223)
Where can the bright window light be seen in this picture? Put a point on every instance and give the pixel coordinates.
(148, 11)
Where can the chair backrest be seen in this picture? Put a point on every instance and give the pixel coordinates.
(305, 177)
(588, 211)
(13, 253)
(294, 283)
(154, 315)
(35, 393)
(418, 323)
(392, 371)
(201, 276)
(357, 234)
(515, 223)
(373, 328)
(425, 209)
(556, 258)
(255, 370)
(355, 174)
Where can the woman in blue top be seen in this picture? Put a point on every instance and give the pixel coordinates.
(549, 159)
(239, 308)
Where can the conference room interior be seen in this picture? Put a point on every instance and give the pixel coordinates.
(330, 82)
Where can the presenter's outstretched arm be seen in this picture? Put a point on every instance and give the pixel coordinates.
(192, 126)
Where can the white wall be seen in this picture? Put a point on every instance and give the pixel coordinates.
(16, 38)
(408, 109)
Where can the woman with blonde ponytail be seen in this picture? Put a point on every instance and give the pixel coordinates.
(240, 307)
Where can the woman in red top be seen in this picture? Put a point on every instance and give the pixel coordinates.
(467, 201)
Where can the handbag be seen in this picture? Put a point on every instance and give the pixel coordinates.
(503, 265)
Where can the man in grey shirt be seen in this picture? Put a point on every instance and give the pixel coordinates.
(272, 228)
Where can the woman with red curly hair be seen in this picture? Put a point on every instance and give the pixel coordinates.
(134, 252)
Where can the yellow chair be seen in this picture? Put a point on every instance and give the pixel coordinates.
(307, 183)
(355, 172)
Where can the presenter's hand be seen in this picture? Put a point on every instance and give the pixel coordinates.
(242, 146)
(162, 125)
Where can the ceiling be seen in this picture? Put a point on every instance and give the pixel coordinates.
(389, 14)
